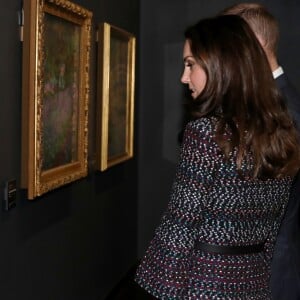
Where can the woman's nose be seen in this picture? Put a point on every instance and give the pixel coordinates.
(184, 78)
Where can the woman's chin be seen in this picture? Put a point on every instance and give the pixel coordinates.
(194, 95)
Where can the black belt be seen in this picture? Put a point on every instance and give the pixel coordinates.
(247, 249)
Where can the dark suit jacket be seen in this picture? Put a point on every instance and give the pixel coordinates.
(285, 269)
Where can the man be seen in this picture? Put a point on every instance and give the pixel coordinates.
(285, 278)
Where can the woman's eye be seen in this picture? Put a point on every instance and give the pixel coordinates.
(188, 64)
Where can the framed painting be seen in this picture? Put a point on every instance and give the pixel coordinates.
(116, 83)
(55, 94)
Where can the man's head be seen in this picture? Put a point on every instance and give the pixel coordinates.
(263, 24)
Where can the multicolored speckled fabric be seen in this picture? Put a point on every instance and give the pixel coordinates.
(211, 203)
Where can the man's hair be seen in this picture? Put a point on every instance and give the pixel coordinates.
(261, 21)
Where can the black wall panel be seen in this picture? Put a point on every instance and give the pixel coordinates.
(78, 241)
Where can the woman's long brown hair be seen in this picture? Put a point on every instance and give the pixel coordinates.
(242, 94)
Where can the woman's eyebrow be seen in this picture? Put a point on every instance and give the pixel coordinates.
(187, 58)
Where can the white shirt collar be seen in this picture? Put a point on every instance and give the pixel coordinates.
(277, 72)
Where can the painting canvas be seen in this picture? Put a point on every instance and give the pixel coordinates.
(60, 93)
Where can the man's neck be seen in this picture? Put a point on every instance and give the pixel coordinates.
(273, 62)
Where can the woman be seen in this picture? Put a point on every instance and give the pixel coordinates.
(238, 158)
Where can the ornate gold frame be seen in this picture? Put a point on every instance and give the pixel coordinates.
(116, 83)
(36, 178)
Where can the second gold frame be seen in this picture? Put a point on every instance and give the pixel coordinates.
(116, 83)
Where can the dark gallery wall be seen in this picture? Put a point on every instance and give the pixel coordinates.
(78, 241)
(161, 93)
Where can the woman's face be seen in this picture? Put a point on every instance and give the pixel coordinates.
(193, 74)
